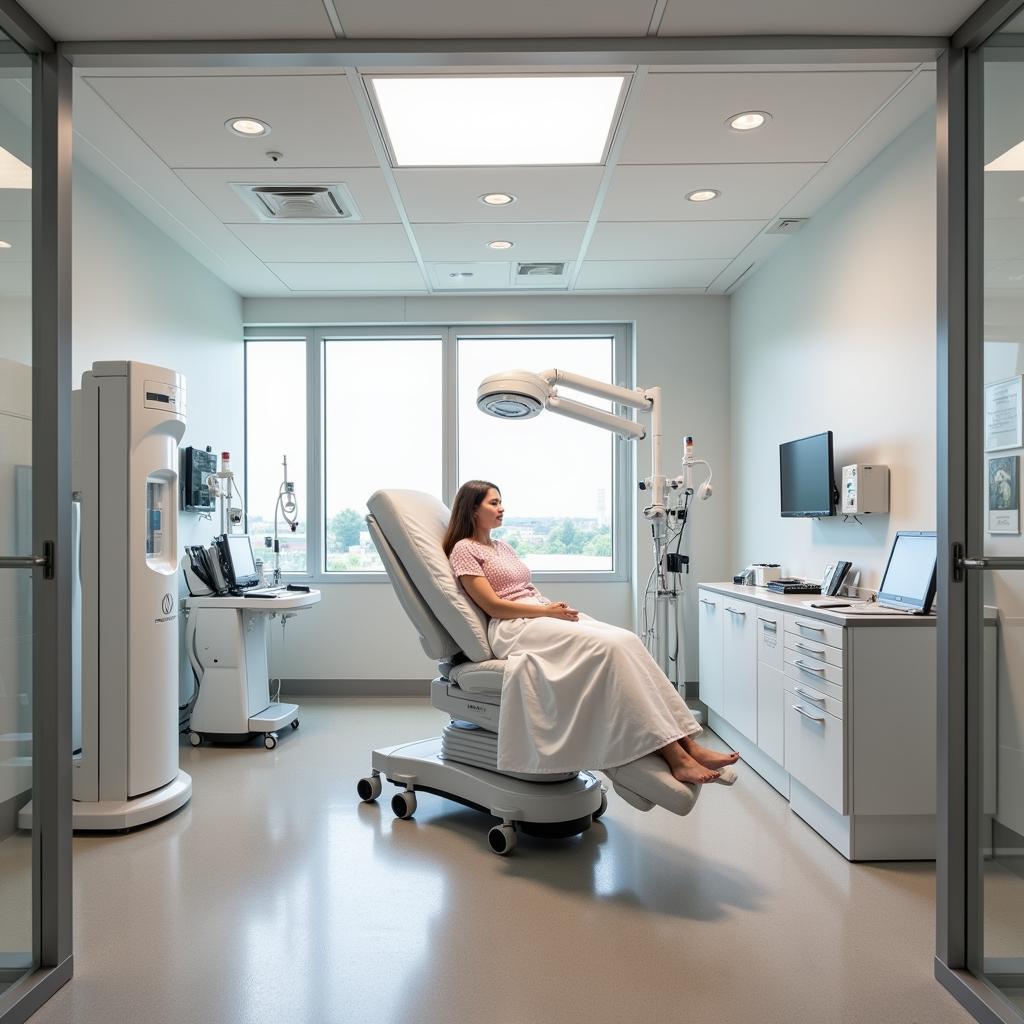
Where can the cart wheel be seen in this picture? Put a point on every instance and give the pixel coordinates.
(404, 804)
(604, 806)
(295, 724)
(502, 839)
(368, 788)
(270, 741)
(195, 739)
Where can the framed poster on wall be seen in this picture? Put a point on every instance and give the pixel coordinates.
(1003, 420)
(1004, 494)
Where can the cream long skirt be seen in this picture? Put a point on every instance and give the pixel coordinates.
(579, 695)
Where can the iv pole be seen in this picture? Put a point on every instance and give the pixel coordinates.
(522, 394)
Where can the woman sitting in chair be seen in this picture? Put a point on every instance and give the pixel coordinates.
(577, 692)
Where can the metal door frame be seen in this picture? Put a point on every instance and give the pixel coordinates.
(960, 320)
(51, 518)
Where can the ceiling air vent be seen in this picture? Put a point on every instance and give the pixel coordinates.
(540, 269)
(787, 226)
(299, 202)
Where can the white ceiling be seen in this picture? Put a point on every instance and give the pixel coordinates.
(416, 19)
(159, 138)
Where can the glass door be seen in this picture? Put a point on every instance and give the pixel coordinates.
(16, 540)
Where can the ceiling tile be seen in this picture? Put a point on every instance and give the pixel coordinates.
(313, 118)
(531, 242)
(658, 192)
(826, 17)
(183, 19)
(450, 19)
(319, 243)
(689, 240)
(485, 276)
(367, 185)
(681, 118)
(451, 195)
(605, 275)
(343, 277)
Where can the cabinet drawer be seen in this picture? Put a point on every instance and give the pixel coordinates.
(814, 751)
(814, 629)
(814, 649)
(770, 636)
(823, 696)
(811, 670)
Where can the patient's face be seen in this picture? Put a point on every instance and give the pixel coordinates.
(489, 513)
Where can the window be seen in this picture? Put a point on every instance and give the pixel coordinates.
(382, 428)
(275, 427)
(555, 474)
(356, 410)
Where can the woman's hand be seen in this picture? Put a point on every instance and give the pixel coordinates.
(560, 610)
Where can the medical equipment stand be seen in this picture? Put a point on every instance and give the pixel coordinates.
(226, 641)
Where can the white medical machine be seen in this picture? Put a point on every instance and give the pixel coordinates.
(128, 420)
(522, 394)
(226, 642)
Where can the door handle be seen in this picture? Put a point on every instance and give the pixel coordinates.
(962, 562)
(43, 561)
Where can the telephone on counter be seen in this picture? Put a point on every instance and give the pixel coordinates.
(835, 574)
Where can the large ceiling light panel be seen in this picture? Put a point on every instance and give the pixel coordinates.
(484, 121)
(1011, 160)
(13, 172)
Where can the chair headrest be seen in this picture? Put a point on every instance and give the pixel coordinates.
(414, 524)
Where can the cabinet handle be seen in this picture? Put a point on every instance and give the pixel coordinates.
(813, 629)
(807, 696)
(808, 668)
(769, 622)
(810, 650)
(802, 711)
(704, 600)
(735, 611)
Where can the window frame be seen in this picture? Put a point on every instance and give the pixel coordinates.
(315, 337)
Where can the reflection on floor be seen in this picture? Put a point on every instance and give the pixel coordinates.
(276, 895)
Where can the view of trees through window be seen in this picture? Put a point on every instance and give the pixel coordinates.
(383, 420)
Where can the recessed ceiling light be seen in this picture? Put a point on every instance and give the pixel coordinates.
(748, 120)
(250, 127)
(497, 199)
(5, 245)
(498, 120)
(703, 195)
(499, 243)
(461, 273)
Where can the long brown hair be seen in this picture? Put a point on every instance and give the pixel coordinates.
(469, 498)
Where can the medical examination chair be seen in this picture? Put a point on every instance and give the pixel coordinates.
(407, 528)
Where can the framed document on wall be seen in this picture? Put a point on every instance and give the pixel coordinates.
(1003, 420)
(1004, 494)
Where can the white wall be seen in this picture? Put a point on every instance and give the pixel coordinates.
(138, 295)
(837, 332)
(360, 632)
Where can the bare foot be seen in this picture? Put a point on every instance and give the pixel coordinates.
(706, 756)
(684, 768)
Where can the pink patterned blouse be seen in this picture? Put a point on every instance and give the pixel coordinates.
(507, 574)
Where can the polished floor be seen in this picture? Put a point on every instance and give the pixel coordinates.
(276, 896)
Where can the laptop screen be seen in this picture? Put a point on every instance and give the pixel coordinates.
(243, 566)
(909, 580)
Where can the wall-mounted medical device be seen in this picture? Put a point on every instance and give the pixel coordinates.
(196, 468)
(865, 490)
(128, 421)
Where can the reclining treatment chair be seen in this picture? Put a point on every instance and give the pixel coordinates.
(407, 528)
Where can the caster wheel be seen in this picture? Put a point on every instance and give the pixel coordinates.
(195, 739)
(502, 839)
(404, 804)
(295, 724)
(270, 741)
(599, 813)
(368, 788)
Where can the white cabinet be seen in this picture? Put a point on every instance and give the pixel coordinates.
(815, 749)
(739, 659)
(771, 683)
(710, 667)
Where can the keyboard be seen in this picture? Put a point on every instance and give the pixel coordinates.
(265, 592)
(790, 587)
